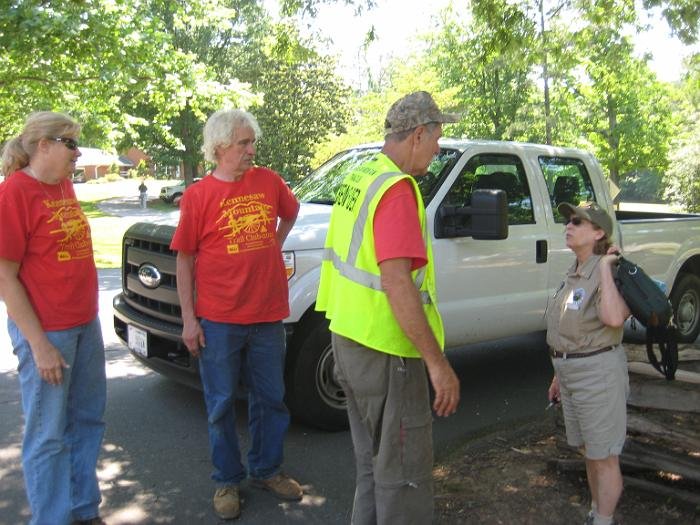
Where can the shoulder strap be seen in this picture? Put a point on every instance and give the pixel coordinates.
(666, 338)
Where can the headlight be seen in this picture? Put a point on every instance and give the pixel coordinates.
(289, 264)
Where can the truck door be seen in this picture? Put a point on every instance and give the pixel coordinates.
(489, 289)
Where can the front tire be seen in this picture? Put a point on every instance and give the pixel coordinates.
(685, 299)
(314, 395)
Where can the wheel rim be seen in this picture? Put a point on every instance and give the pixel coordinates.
(327, 383)
(687, 312)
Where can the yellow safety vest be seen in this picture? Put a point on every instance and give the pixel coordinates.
(350, 290)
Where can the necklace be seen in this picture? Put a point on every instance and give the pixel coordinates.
(29, 171)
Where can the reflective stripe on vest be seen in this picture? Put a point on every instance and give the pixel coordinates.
(347, 268)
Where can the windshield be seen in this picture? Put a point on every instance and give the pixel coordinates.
(320, 186)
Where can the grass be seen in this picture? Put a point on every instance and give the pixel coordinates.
(106, 230)
(107, 233)
(159, 205)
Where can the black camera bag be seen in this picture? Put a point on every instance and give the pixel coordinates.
(650, 306)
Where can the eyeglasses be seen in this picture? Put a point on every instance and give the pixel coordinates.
(69, 143)
(576, 221)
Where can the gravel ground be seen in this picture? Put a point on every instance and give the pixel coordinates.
(506, 477)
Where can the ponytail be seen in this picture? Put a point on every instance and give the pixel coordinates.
(14, 157)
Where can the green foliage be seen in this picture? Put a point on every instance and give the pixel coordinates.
(148, 74)
(691, 82)
(600, 95)
(113, 170)
(626, 113)
(683, 177)
(249, 62)
(167, 123)
(369, 109)
(490, 60)
(682, 15)
(86, 57)
(291, 7)
(645, 186)
(141, 171)
(304, 101)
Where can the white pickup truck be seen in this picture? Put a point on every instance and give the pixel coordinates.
(489, 287)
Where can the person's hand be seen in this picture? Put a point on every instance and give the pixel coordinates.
(446, 386)
(193, 336)
(49, 362)
(554, 394)
(612, 255)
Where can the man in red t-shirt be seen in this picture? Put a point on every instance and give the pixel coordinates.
(233, 292)
(381, 359)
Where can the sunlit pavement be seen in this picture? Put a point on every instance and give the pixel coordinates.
(154, 466)
(119, 366)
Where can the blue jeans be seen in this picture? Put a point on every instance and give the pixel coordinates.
(63, 425)
(255, 354)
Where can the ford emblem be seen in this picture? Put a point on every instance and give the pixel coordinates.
(149, 276)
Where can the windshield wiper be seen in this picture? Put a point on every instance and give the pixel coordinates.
(321, 201)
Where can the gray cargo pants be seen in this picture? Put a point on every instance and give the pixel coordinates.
(391, 426)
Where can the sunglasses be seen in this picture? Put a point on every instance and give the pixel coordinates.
(576, 221)
(69, 143)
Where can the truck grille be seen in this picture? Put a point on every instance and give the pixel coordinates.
(146, 244)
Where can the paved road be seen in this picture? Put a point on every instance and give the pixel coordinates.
(155, 467)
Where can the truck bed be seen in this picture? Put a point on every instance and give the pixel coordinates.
(653, 239)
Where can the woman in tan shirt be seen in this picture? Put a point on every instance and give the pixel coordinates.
(584, 334)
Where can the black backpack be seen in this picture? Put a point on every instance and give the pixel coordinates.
(650, 306)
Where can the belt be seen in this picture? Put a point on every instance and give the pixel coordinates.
(565, 355)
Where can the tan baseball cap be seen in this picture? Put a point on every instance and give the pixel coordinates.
(414, 110)
(591, 212)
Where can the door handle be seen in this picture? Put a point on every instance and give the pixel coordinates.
(541, 251)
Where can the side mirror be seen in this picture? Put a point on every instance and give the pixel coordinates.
(488, 213)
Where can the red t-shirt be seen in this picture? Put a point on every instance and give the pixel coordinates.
(230, 228)
(43, 229)
(397, 231)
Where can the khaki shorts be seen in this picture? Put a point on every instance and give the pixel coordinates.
(594, 393)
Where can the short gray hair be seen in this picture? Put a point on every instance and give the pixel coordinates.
(220, 129)
(403, 135)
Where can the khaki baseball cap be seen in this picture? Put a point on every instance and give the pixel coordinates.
(591, 212)
(414, 110)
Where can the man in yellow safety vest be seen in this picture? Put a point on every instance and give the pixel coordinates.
(378, 290)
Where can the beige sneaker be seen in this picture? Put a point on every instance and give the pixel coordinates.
(227, 503)
(281, 486)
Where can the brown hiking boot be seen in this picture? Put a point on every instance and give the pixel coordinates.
(281, 486)
(227, 504)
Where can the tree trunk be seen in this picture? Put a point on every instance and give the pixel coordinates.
(545, 79)
(188, 156)
(188, 170)
(613, 141)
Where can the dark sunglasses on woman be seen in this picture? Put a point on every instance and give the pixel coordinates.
(69, 143)
(576, 221)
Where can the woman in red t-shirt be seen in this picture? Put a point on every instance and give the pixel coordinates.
(48, 281)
